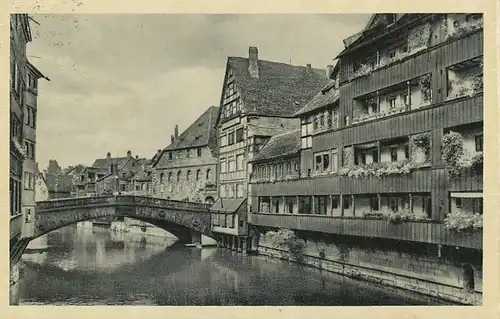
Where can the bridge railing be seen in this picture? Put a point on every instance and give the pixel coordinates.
(72, 202)
(167, 203)
(120, 200)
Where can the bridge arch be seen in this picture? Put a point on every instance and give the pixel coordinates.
(182, 219)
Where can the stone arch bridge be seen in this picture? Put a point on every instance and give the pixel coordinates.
(186, 220)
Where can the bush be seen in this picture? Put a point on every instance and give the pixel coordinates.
(286, 239)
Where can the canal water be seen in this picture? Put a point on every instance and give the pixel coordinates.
(89, 266)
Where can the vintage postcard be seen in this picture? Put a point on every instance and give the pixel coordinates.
(250, 159)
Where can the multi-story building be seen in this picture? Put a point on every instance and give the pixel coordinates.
(29, 134)
(186, 169)
(20, 35)
(258, 100)
(390, 181)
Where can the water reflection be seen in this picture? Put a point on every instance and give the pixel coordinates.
(90, 267)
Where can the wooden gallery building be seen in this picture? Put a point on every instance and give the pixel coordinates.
(384, 179)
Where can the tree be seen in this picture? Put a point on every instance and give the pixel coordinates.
(54, 168)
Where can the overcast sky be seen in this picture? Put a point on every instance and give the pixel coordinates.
(121, 82)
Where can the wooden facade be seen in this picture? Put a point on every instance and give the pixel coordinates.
(436, 118)
(416, 231)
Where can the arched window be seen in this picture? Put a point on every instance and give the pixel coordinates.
(144, 186)
(169, 177)
(198, 174)
(178, 176)
(161, 178)
(209, 174)
(188, 176)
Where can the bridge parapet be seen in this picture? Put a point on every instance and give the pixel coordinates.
(75, 202)
(120, 200)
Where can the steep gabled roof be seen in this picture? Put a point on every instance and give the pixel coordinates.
(199, 133)
(377, 27)
(280, 90)
(279, 146)
(102, 164)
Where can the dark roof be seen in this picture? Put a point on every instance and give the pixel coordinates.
(199, 133)
(375, 29)
(266, 131)
(280, 90)
(36, 71)
(60, 183)
(321, 99)
(228, 205)
(279, 146)
(102, 164)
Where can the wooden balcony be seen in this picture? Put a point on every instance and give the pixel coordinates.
(415, 231)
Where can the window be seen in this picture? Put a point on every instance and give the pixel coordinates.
(198, 174)
(406, 99)
(322, 162)
(230, 193)
(374, 204)
(223, 165)
(231, 164)
(458, 202)
(169, 177)
(209, 175)
(392, 102)
(335, 202)
(477, 205)
(392, 54)
(198, 152)
(346, 203)
(394, 204)
(223, 192)
(307, 142)
(239, 135)
(288, 168)
(239, 162)
(321, 205)
(346, 120)
(479, 143)
(223, 140)
(169, 156)
(178, 176)
(161, 178)
(230, 138)
(239, 191)
(394, 154)
(188, 176)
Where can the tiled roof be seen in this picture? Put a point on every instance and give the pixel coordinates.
(266, 131)
(102, 164)
(321, 99)
(280, 90)
(228, 205)
(60, 183)
(199, 133)
(280, 145)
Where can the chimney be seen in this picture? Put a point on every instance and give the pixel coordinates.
(171, 138)
(129, 154)
(108, 156)
(137, 157)
(253, 62)
(309, 68)
(176, 132)
(329, 71)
